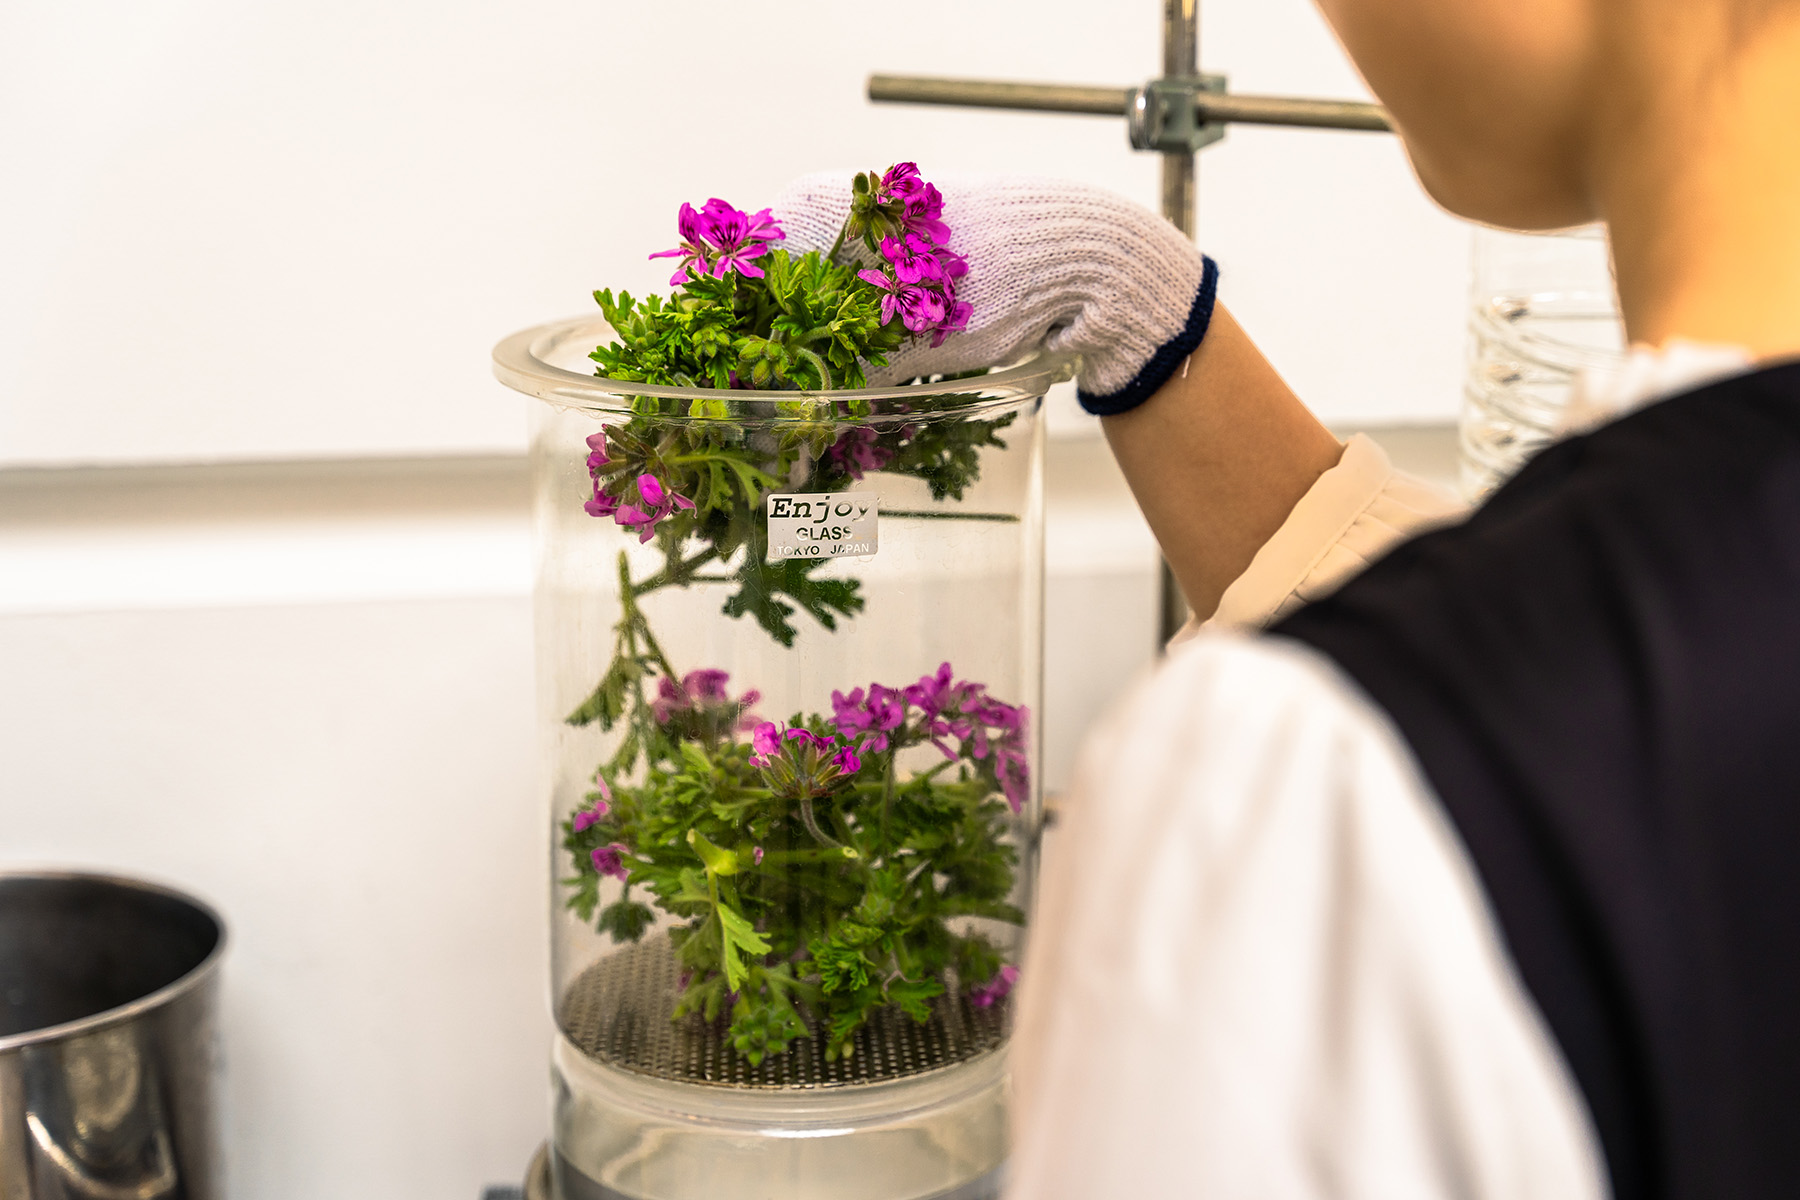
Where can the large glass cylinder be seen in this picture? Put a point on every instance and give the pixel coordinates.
(789, 663)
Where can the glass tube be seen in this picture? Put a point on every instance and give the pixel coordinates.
(1544, 310)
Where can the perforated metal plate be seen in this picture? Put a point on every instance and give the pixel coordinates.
(617, 1012)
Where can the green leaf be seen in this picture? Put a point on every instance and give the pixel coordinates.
(718, 860)
(607, 703)
(763, 586)
(625, 920)
(914, 997)
(737, 934)
(692, 888)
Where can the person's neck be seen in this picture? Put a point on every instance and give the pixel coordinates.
(1700, 188)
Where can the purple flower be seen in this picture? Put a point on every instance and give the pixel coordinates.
(758, 225)
(756, 855)
(897, 296)
(720, 238)
(921, 308)
(704, 688)
(872, 719)
(700, 707)
(1014, 775)
(739, 237)
(669, 697)
(956, 319)
(924, 214)
(848, 712)
(856, 451)
(887, 712)
(995, 989)
(608, 859)
(657, 502)
(808, 739)
(797, 763)
(915, 260)
(707, 684)
(586, 818)
(597, 458)
(765, 743)
(922, 204)
(601, 504)
(900, 182)
(933, 692)
(692, 251)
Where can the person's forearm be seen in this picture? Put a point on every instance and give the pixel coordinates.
(1218, 458)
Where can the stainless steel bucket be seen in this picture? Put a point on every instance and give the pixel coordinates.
(109, 1055)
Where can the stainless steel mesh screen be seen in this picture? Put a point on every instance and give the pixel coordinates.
(617, 1011)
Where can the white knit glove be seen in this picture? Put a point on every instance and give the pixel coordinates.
(1051, 263)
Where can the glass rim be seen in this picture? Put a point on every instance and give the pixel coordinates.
(520, 363)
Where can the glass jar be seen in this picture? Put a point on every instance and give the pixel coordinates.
(1544, 311)
(789, 654)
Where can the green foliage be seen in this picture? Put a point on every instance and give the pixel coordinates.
(761, 587)
(625, 920)
(805, 934)
(787, 912)
(808, 324)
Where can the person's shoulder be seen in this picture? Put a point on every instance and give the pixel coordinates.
(1234, 720)
(1692, 502)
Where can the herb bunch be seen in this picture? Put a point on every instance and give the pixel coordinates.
(817, 871)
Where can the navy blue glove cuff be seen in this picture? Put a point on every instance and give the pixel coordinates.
(1162, 364)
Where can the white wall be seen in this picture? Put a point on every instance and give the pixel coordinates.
(293, 229)
(280, 238)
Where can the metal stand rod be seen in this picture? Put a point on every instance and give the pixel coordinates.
(1181, 59)
(1216, 109)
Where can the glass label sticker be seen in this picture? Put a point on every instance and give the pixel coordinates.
(823, 525)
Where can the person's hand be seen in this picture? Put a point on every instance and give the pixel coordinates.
(1050, 263)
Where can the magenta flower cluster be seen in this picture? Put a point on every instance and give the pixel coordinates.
(945, 707)
(798, 762)
(857, 451)
(918, 279)
(608, 859)
(643, 502)
(996, 989)
(588, 817)
(719, 238)
(702, 693)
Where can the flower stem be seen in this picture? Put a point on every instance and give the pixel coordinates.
(780, 858)
(887, 803)
(812, 825)
(678, 572)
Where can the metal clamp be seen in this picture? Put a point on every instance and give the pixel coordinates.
(1163, 115)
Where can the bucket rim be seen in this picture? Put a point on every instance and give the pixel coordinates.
(193, 978)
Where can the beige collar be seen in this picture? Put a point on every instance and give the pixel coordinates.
(1646, 375)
